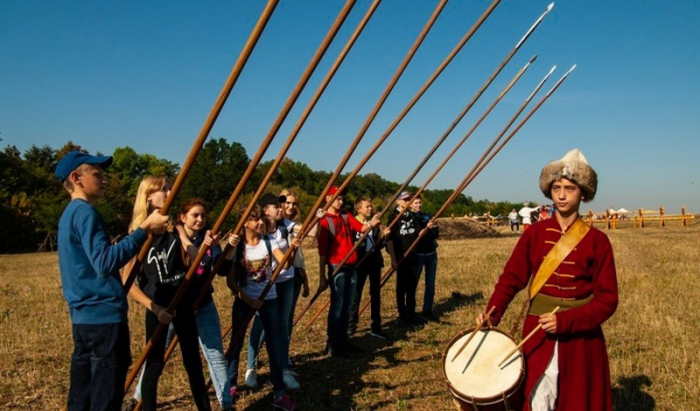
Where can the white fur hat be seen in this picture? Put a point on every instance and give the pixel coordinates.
(573, 166)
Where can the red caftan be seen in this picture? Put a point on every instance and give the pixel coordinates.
(584, 374)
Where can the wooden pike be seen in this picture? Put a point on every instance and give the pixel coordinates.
(244, 179)
(395, 123)
(471, 336)
(480, 166)
(517, 347)
(206, 128)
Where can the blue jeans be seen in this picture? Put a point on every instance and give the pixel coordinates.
(101, 357)
(285, 303)
(268, 316)
(209, 329)
(342, 293)
(429, 261)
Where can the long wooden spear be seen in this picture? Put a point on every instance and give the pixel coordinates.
(280, 156)
(505, 91)
(244, 179)
(391, 128)
(206, 128)
(306, 226)
(478, 167)
(483, 88)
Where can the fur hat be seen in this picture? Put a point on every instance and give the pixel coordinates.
(573, 166)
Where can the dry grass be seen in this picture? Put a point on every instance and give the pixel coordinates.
(652, 339)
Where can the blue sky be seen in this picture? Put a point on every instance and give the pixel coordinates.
(146, 74)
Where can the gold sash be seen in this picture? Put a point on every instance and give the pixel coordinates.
(557, 254)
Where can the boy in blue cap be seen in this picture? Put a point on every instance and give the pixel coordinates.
(92, 286)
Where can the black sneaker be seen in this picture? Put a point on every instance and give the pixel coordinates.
(429, 316)
(415, 319)
(337, 352)
(380, 335)
(351, 348)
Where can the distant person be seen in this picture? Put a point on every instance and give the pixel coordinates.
(567, 360)
(89, 266)
(544, 213)
(334, 243)
(426, 256)
(514, 221)
(527, 213)
(369, 256)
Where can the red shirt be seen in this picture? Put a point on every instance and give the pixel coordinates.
(337, 246)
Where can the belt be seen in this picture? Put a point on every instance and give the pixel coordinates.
(543, 304)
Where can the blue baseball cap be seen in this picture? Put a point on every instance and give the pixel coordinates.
(72, 160)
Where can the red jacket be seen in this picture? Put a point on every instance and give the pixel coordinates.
(584, 375)
(337, 246)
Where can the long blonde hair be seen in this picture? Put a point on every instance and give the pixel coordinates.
(289, 192)
(142, 208)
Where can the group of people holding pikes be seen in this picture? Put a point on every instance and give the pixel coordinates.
(566, 267)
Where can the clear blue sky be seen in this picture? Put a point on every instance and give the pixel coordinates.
(146, 74)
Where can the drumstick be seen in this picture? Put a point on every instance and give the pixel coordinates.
(478, 327)
(526, 338)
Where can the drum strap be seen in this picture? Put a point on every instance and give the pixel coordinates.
(505, 401)
(552, 260)
(557, 254)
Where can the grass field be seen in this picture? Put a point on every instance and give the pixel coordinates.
(652, 339)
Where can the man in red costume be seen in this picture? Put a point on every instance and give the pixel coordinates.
(567, 360)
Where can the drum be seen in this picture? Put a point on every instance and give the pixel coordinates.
(474, 377)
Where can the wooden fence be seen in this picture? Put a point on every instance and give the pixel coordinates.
(645, 217)
(642, 218)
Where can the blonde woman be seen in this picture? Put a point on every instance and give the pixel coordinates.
(161, 274)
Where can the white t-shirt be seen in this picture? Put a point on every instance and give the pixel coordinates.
(287, 274)
(258, 269)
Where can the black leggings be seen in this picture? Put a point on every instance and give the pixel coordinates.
(186, 329)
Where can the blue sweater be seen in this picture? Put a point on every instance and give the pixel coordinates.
(90, 265)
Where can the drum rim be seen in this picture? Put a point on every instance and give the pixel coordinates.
(482, 400)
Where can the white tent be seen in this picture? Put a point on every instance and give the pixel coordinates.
(622, 211)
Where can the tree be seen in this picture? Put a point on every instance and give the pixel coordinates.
(215, 174)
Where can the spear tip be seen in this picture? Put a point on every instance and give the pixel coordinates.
(533, 58)
(554, 67)
(550, 7)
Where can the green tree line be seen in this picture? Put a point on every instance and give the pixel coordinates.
(32, 200)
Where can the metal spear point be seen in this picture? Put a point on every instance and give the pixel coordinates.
(444, 136)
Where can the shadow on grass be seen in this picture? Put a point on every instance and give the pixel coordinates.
(329, 383)
(629, 394)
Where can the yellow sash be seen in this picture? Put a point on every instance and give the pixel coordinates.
(557, 254)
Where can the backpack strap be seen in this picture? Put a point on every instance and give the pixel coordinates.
(268, 245)
(283, 229)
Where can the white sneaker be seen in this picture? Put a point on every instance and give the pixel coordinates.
(251, 378)
(290, 382)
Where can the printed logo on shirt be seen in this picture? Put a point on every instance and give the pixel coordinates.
(161, 259)
(406, 227)
(257, 269)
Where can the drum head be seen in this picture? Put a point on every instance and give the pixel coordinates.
(475, 372)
